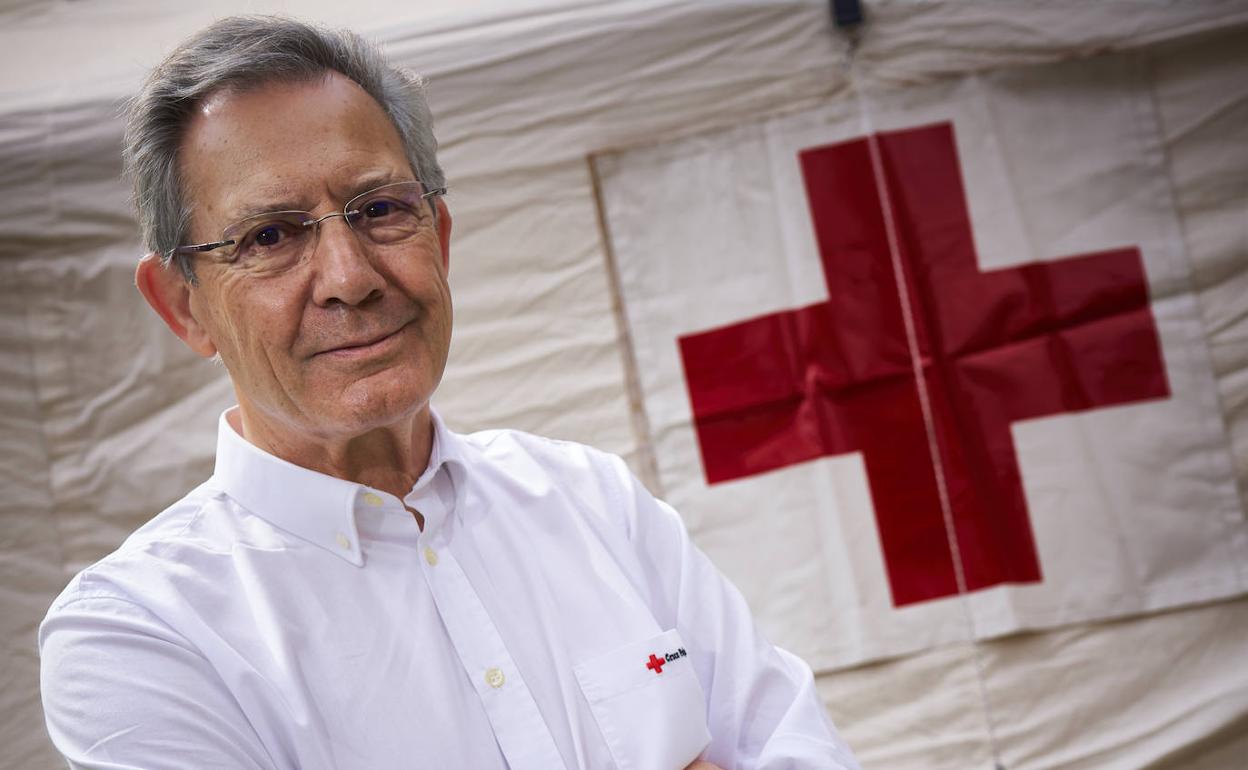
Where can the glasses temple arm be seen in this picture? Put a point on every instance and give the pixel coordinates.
(199, 247)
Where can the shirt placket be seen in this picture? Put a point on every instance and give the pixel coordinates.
(522, 733)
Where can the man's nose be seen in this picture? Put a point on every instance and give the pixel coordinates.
(342, 265)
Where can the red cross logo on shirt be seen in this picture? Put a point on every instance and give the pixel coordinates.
(656, 664)
(995, 347)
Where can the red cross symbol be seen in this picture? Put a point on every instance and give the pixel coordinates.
(995, 347)
(656, 664)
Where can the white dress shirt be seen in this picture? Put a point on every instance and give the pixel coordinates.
(551, 614)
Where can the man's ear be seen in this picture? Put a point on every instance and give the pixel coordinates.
(444, 233)
(169, 293)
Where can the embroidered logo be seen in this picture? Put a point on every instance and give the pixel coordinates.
(656, 663)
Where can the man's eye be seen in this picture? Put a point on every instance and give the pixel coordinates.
(268, 236)
(378, 208)
(271, 235)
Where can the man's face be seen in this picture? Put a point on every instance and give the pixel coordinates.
(352, 338)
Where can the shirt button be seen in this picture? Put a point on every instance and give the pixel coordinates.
(373, 499)
(494, 678)
(431, 556)
(343, 542)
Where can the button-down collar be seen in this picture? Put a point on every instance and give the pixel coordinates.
(322, 509)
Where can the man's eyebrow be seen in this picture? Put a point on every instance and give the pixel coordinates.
(246, 211)
(379, 179)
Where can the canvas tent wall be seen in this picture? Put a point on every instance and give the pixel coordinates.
(107, 419)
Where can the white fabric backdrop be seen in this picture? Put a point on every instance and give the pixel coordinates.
(105, 419)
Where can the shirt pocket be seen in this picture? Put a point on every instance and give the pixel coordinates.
(647, 702)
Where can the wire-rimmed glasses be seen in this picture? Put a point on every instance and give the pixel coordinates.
(277, 240)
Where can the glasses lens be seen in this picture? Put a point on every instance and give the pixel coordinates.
(269, 242)
(392, 213)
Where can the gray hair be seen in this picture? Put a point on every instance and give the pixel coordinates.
(242, 53)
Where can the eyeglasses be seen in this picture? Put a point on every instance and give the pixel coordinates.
(276, 240)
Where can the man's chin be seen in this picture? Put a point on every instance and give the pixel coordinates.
(362, 409)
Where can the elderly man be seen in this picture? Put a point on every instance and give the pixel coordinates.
(356, 586)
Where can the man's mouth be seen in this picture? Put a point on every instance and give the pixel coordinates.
(364, 345)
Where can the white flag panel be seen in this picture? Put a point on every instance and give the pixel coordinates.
(757, 332)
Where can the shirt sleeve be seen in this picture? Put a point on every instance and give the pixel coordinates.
(122, 690)
(763, 712)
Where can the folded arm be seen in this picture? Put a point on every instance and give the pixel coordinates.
(763, 711)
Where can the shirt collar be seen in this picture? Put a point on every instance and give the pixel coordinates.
(316, 507)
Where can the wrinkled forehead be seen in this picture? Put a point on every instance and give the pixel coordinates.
(286, 144)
